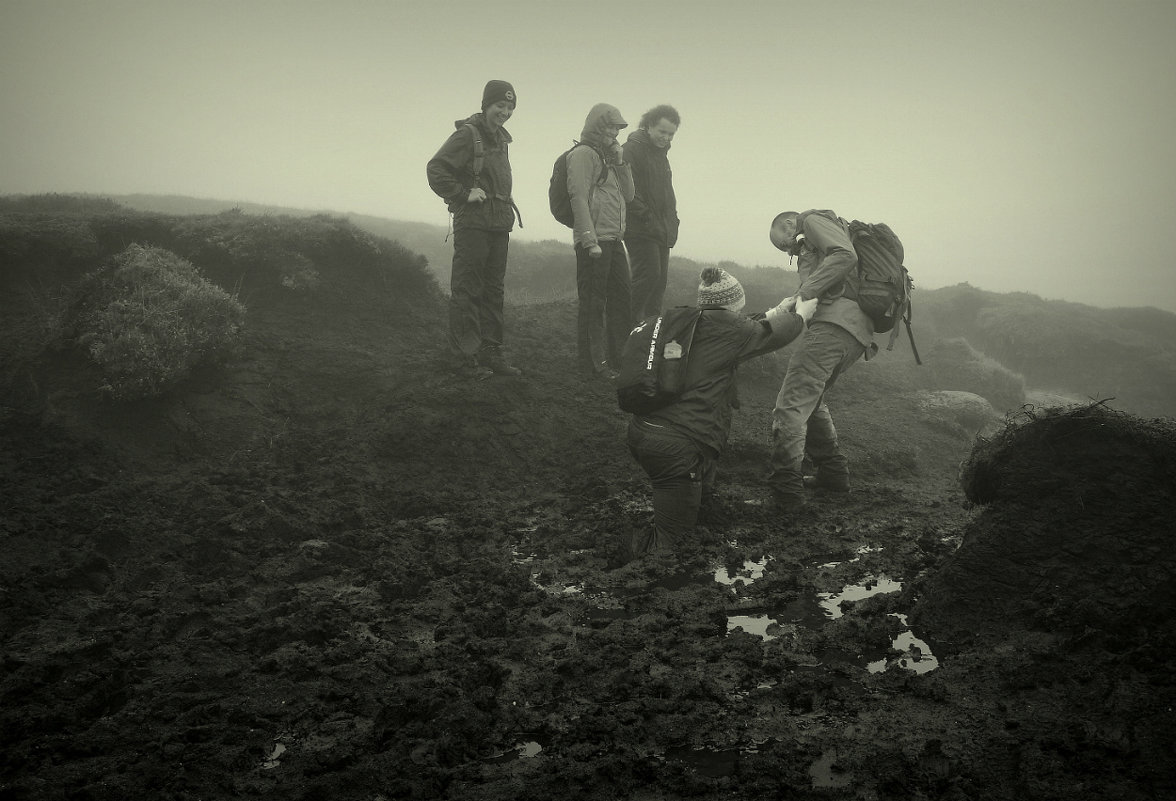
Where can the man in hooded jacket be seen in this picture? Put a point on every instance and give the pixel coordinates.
(652, 224)
(600, 185)
(479, 197)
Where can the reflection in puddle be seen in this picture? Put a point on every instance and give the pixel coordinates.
(916, 654)
(860, 552)
(753, 570)
(831, 602)
(522, 750)
(752, 624)
(272, 760)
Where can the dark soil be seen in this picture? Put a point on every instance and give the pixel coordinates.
(330, 570)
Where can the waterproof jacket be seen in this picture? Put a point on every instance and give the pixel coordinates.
(722, 341)
(451, 176)
(653, 214)
(827, 259)
(599, 191)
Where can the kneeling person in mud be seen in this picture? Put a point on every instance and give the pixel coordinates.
(679, 445)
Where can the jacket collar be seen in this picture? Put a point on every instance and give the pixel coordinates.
(479, 121)
(641, 137)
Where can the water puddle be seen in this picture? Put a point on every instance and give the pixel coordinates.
(273, 761)
(707, 761)
(831, 602)
(915, 654)
(526, 749)
(752, 571)
(753, 624)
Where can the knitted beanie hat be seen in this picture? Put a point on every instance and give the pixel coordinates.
(719, 288)
(498, 90)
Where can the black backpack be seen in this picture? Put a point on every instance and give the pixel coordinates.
(654, 359)
(557, 192)
(882, 286)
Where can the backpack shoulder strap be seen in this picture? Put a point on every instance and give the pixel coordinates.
(479, 150)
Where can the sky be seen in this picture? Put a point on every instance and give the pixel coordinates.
(1015, 146)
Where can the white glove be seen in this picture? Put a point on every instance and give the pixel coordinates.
(783, 308)
(806, 308)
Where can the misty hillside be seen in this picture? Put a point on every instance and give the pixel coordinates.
(1128, 354)
(256, 544)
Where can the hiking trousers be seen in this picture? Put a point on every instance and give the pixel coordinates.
(650, 261)
(800, 420)
(604, 319)
(681, 472)
(476, 290)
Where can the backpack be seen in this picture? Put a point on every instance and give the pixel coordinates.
(882, 286)
(479, 152)
(654, 359)
(557, 192)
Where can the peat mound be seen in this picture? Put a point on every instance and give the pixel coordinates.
(1075, 535)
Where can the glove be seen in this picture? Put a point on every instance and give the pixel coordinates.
(806, 308)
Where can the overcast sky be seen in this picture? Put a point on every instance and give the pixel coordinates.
(1017, 146)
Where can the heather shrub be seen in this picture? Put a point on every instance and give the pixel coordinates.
(149, 317)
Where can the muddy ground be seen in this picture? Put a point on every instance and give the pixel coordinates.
(330, 571)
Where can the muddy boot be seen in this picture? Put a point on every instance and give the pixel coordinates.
(827, 481)
(785, 502)
(467, 367)
(637, 542)
(493, 360)
(785, 483)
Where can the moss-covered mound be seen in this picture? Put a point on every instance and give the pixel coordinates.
(1075, 536)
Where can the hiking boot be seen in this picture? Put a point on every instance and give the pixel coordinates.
(493, 360)
(468, 367)
(785, 503)
(822, 482)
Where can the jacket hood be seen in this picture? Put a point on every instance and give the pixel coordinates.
(479, 121)
(601, 115)
(641, 137)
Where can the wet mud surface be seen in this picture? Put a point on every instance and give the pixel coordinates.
(333, 571)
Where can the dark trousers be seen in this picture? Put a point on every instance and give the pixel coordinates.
(650, 261)
(681, 472)
(476, 290)
(604, 317)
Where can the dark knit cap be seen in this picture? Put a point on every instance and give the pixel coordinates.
(498, 90)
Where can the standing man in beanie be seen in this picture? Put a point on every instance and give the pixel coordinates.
(840, 333)
(471, 173)
(678, 446)
(600, 185)
(652, 222)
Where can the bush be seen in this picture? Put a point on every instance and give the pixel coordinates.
(149, 318)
